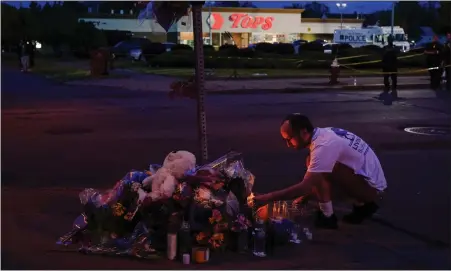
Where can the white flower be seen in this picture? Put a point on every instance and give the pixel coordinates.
(203, 194)
(217, 202)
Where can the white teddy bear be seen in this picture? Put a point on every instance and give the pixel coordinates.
(165, 180)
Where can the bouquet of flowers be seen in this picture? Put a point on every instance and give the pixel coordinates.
(110, 221)
(214, 234)
(116, 211)
(241, 223)
(213, 198)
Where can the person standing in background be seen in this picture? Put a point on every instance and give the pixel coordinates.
(433, 59)
(24, 48)
(32, 53)
(390, 69)
(446, 61)
(19, 53)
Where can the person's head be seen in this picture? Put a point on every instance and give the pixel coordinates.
(448, 36)
(435, 38)
(296, 130)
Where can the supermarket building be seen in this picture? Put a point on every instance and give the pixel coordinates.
(244, 25)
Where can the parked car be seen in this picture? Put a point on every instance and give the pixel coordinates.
(297, 45)
(123, 48)
(299, 42)
(329, 47)
(320, 41)
(136, 53)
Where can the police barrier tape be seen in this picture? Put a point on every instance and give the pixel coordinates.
(299, 62)
(287, 59)
(348, 65)
(320, 60)
(369, 62)
(211, 72)
(377, 61)
(399, 73)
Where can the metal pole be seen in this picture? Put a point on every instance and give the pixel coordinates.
(341, 19)
(211, 34)
(392, 18)
(200, 80)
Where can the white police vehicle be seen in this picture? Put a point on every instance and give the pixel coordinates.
(372, 35)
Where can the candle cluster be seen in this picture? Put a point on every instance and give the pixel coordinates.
(280, 210)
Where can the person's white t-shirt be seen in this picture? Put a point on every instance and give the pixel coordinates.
(331, 145)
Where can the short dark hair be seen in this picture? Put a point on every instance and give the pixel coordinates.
(298, 122)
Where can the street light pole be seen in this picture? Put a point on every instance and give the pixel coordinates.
(341, 6)
(209, 16)
(341, 19)
(200, 79)
(392, 18)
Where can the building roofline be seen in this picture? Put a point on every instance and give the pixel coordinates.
(254, 10)
(110, 16)
(330, 20)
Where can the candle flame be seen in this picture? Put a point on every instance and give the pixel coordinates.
(250, 200)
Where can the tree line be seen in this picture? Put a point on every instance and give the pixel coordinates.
(57, 25)
(54, 24)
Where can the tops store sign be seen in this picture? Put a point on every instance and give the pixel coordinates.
(234, 22)
(240, 20)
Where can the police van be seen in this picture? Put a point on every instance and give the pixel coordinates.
(372, 35)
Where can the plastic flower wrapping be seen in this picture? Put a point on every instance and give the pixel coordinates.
(116, 222)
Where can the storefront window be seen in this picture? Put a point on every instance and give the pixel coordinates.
(187, 42)
(281, 38)
(293, 37)
(216, 39)
(206, 40)
(259, 37)
(272, 38)
(226, 39)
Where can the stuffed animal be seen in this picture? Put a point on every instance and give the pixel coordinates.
(165, 180)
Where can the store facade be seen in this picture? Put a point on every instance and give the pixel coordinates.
(244, 26)
(239, 26)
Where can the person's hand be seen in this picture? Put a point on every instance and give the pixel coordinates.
(263, 199)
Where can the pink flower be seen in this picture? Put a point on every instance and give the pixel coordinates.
(217, 215)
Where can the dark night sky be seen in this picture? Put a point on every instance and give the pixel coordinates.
(352, 6)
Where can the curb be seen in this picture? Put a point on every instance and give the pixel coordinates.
(328, 88)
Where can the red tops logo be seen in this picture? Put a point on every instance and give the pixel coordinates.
(246, 21)
(240, 20)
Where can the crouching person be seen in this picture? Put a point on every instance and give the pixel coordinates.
(340, 163)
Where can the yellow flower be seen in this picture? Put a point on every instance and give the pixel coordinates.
(118, 209)
(201, 236)
(218, 237)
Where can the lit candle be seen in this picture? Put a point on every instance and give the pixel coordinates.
(278, 210)
(274, 210)
(284, 209)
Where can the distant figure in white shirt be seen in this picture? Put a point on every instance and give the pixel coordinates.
(339, 161)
